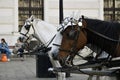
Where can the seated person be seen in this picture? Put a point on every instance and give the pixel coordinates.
(18, 47)
(4, 48)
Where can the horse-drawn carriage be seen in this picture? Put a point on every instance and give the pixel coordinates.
(72, 36)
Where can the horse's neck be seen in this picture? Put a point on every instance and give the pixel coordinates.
(56, 43)
(104, 44)
(104, 35)
(44, 30)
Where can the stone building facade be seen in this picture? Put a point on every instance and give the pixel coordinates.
(13, 13)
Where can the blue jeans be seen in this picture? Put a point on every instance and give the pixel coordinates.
(21, 52)
(6, 52)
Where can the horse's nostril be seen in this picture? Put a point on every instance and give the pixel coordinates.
(54, 55)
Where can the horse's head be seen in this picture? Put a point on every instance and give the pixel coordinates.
(26, 28)
(73, 39)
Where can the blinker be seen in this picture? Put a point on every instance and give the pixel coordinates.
(27, 27)
(72, 34)
(80, 23)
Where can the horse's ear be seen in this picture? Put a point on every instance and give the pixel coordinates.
(84, 24)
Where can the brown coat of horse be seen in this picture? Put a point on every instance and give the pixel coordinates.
(72, 46)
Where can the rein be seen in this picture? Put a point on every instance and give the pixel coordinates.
(102, 35)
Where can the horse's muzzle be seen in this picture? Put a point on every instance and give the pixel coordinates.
(55, 56)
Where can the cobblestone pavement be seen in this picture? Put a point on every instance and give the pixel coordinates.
(26, 70)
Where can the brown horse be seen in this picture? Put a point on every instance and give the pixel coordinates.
(102, 34)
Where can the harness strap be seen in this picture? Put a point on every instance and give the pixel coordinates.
(69, 51)
(103, 35)
(56, 45)
(51, 40)
(24, 34)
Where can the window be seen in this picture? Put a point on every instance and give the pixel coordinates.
(28, 8)
(112, 10)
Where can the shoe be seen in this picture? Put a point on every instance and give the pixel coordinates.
(8, 59)
(12, 54)
(22, 59)
(18, 53)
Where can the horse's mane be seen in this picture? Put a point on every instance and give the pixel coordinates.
(37, 20)
(108, 29)
(103, 34)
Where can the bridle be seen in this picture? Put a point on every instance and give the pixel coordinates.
(73, 51)
(27, 26)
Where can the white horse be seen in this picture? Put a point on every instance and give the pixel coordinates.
(45, 33)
